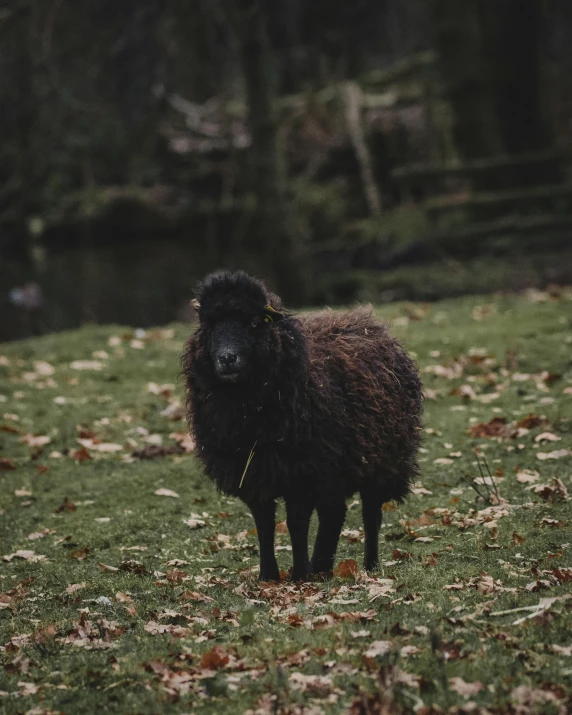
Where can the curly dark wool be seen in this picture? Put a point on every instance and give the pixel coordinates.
(316, 407)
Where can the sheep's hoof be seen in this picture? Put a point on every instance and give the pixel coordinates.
(300, 574)
(269, 576)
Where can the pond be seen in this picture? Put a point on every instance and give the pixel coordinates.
(138, 283)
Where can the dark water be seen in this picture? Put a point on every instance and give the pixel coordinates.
(140, 283)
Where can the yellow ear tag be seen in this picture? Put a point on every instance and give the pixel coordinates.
(268, 318)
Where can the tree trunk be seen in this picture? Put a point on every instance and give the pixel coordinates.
(467, 73)
(489, 54)
(272, 242)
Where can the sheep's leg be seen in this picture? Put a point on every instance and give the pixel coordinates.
(264, 514)
(332, 516)
(372, 514)
(298, 516)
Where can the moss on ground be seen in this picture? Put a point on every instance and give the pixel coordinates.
(112, 611)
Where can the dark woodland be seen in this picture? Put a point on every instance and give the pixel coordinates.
(332, 148)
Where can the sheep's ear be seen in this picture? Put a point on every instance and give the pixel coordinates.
(271, 314)
(195, 304)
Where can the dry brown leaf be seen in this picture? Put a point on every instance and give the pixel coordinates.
(67, 505)
(80, 554)
(215, 658)
(347, 569)
(80, 455)
(556, 491)
(401, 555)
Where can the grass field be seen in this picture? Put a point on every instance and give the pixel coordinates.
(128, 585)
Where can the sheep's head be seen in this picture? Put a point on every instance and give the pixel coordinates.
(237, 316)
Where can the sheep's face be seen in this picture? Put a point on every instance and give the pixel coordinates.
(237, 335)
(238, 346)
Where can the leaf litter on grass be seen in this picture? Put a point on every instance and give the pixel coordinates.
(475, 576)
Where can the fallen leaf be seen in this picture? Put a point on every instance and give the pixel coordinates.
(153, 451)
(497, 427)
(401, 555)
(360, 634)
(419, 489)
(185, 440)
(547, 521)
(26, 555)
(95, 445)
(7, 464)
(464, 688)
(86, 365)
(547, 437)
(135, 567)
(486, 584)
(319, 686)
(73, 587)
(67, 505)
(556, 491)
(214, 659)
(162, 492)
(531, 421)
(346, 569)
(195, 522)
(44, 368)
(22, 493)
(527, 476)
(556, 454)
(80, 455)
(35, 440)
(80, 554)
(40, 534)
(174, 411)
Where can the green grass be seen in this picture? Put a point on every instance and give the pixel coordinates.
(266, 637)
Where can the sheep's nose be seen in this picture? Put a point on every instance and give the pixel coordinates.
(228, 359)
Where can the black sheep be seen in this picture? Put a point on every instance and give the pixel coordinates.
(310, 409)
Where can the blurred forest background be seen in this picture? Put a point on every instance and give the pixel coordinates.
(351, 150)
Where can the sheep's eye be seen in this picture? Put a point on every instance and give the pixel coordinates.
(255, 323)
